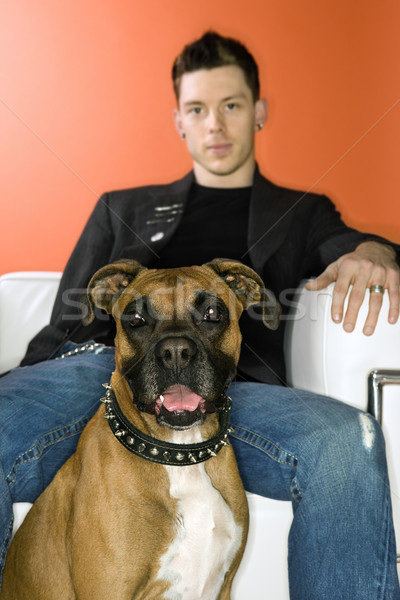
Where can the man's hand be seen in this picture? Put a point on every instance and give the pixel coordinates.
(371, 263)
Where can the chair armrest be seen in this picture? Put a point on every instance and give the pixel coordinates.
(26, 301)
(323, 358)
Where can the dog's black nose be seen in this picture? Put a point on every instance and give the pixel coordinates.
(176, 353)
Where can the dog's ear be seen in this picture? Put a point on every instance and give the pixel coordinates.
(106, 283)
(249, 288)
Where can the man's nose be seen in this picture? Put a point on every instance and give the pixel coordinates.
(215, 121)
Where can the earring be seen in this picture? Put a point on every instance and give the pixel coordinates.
(183, 136)
(259, 126)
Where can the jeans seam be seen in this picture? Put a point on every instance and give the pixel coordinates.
(386, 553)
(296, 495)
(40, 446)
(4, 549)
(262, 448)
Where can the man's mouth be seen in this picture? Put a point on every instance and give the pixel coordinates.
(219, 149)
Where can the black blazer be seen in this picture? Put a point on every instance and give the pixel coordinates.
(291, 235)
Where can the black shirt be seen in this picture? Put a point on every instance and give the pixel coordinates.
(214, 225)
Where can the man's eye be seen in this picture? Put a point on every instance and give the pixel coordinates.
(196, 110)
(136, 320)
(212, 315)
(231, 106)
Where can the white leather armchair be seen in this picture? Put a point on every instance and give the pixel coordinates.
(321, 357)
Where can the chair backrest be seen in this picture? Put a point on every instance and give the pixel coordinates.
(26, 300)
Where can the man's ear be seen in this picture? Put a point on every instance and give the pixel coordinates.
(108, 282)
(178, 123)
(249, 289)
(261, 112)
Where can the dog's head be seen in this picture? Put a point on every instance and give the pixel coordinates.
(178, 339)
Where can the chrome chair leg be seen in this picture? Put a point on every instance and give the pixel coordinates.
(377, 379)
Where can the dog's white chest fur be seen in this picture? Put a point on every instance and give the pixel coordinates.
(207, 537)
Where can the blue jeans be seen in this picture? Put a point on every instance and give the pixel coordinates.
(327, 458)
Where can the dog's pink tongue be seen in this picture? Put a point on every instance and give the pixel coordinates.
(179, 397)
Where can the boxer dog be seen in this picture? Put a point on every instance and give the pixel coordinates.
(151, 505)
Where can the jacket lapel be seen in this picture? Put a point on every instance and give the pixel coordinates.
(159, 215)
(271, 213)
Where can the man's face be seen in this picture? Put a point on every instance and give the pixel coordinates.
(218, 117)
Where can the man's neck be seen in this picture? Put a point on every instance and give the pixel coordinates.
(243, 177)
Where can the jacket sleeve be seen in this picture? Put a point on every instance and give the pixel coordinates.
(328, 237)
(93, 250)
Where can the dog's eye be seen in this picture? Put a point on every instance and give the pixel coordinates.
(136, 320)
(212, 314)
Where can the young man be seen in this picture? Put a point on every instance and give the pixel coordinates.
(290, 444)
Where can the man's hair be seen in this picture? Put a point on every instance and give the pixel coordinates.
(213, 50)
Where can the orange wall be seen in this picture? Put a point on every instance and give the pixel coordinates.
(86, 107)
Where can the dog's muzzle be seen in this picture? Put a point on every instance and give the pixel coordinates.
(178, 383)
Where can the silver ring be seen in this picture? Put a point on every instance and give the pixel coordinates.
(377, 289)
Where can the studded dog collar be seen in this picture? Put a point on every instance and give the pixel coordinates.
(159, 451)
